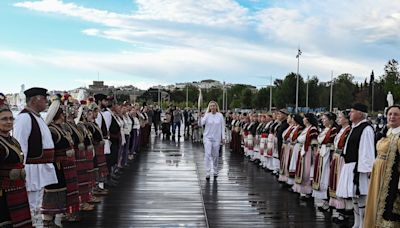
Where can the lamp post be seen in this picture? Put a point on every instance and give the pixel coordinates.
(270, 96)
(187, 94)
(331, 93)
(297, 79)
(308, 80)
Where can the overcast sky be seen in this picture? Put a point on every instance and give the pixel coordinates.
(65, 44)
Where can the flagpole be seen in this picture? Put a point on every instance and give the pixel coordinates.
(331, 93)
(297, 80)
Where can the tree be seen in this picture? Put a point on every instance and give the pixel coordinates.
(247, 98)
(285, 94)
(261, 99)
(391, 79)
(343, 91)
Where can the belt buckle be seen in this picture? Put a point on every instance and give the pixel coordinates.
(17, 174)
(70, 153)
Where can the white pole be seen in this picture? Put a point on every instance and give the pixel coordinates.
(270, 96)
(372, 102)
(331, 93)
(308, 80)
(297, 80)
(187, 95)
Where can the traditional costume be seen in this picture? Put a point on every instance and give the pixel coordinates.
(383, 200)
(36, 142)
(359, 155)
(14, 206)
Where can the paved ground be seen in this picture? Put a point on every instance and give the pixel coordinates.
(165, 186)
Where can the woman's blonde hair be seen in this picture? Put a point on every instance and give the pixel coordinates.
(216, 104)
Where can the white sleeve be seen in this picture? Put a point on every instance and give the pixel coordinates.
(222, 126)
(98, 120)
(107, 119)
(204, 119)
(22, 130)
(366, 155)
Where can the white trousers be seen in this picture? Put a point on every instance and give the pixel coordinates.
(35, 199)
(211, 156)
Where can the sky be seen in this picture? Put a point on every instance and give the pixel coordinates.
(64, 44)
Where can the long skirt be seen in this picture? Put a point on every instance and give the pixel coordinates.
(84, 184)
(100, 161)
(303, 169)
(334, 175)
(321, 174)
(55, 195)
(14, 205)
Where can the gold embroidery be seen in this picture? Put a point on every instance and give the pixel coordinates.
(387, 177)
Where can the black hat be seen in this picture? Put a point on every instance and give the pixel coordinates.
(360, 107)
(35, 91)
(346, 114)
(100, 97)
(284, 111)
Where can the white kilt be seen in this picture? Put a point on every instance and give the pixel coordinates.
(346, 187)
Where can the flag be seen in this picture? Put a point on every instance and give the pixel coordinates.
(200, 100)
(298, 53)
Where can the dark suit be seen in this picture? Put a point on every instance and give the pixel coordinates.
(282, 127)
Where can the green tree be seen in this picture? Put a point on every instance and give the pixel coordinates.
(247, 96)
(261, 99)
(343, 91)
(285, 94)
(391, 79)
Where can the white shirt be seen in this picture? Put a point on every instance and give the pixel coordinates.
(37, 175)
(107, 119)
(136, 123)
(366, 151)
(214, 126)
(127, 124)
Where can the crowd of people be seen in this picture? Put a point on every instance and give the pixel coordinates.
(339, 160)
(54, 167)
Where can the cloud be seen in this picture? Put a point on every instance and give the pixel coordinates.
(193, 38)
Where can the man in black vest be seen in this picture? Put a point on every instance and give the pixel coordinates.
(282, 126)
(359, 156)
(36, 142)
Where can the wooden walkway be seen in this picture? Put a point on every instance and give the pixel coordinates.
(165, 186)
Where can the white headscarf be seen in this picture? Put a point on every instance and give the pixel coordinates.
(53, 109)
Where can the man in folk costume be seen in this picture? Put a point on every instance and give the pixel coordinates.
(279, 129)
(256, 155)
(252, 135)
(322, 161)
(14, 205)
(235, 142)
(103, 121)
(359, 156)
(36, 142)
(245, 132)
(264, 140)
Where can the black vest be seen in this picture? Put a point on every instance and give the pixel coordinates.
(35, 146)
(353, 143)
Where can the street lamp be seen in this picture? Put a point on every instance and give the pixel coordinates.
(187, 95)
(297, 79)
(331, 93)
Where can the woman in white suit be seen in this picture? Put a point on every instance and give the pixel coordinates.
(214, 134)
